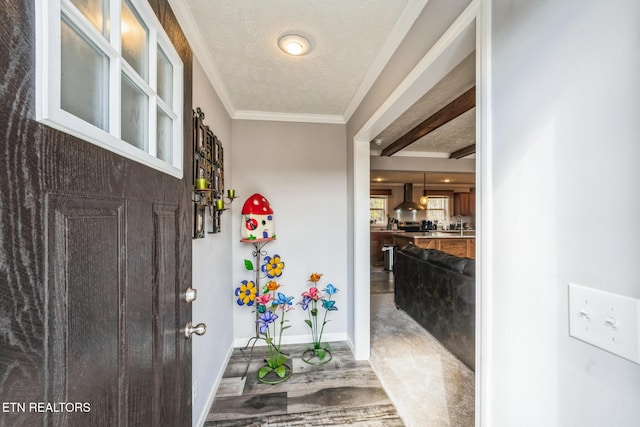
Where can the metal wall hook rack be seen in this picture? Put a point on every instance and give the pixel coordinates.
(208, 177)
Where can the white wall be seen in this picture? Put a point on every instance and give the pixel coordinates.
(301, 169)
(565, 185)
(211, 268)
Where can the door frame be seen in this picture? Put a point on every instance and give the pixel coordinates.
(472, 28)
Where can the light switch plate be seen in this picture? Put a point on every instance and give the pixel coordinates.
(606, 320)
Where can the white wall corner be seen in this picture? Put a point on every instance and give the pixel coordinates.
(202, 418)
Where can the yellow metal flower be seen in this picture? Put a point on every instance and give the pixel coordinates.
(273, 266)
(246, 293)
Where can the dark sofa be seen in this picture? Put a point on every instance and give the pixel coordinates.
(438, 291)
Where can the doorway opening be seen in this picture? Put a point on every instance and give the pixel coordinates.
(450, 49)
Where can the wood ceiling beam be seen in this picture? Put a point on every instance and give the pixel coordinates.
(463, 152)
(455, 108)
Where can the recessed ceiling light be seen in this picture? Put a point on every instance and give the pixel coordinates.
(294, 44)
(447, 180)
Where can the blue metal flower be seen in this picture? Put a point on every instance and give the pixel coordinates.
(331, 290)
(329, 305)
(265, 319)
(282, 299)
(305, 302)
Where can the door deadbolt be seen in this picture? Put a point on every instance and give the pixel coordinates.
(190, 294)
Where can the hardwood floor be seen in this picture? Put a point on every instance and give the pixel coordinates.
(341, 392)
(414, 381)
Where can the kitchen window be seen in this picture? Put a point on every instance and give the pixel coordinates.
(438, 209)
(378, 210)
(107, 72)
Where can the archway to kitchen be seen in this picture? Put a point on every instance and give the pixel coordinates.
(463, 37)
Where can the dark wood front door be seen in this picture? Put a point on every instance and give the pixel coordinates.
(95, 253)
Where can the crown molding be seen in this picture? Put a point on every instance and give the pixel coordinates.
(199, 49)
(288, 117)
(408, 17)
(404, 153)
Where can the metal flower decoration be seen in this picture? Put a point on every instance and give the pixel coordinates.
(309, 304)
(273, 266)
(246, 293)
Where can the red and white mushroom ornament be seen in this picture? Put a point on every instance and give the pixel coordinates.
(257, 218)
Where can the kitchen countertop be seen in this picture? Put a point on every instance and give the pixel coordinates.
(451, 234)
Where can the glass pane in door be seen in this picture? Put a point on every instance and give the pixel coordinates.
(135, 36)
(84, 80)
(165, 78)
(164, 137)
(134, 115)
(96, 11)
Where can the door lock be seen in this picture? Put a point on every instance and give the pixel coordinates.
(199, 329)
(190, 294)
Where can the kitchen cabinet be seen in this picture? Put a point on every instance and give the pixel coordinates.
(458, 246)
(378, 240)
(461, 204)
(472, 204)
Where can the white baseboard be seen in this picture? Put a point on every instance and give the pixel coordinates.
(212, 394)
(297, 339)
(352, 346)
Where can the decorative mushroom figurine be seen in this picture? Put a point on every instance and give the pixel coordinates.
(257, 218)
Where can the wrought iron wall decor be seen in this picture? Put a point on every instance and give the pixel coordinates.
(208, 177)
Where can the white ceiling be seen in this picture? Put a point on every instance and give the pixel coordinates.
(351, 41)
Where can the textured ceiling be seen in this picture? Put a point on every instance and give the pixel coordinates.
(346, 38)
(351, 41)
(452, 136)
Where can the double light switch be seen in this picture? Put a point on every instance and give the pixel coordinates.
(606, 320)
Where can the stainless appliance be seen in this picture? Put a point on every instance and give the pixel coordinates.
(428, 226)
(409, 226)
(408, 204)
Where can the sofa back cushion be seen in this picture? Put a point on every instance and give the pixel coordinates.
(470, 268)
(415, 252)
(447, 261)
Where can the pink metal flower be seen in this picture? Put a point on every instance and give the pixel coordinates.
(263, 299)
(313, 293)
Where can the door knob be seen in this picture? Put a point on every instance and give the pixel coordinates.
(190, 294)
(199, 329)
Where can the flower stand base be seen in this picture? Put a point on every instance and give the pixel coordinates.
(317, 356)
(266, 375)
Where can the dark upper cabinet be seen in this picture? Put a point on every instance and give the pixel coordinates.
(461, 204)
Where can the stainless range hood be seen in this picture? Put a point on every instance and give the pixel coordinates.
(408, 204)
